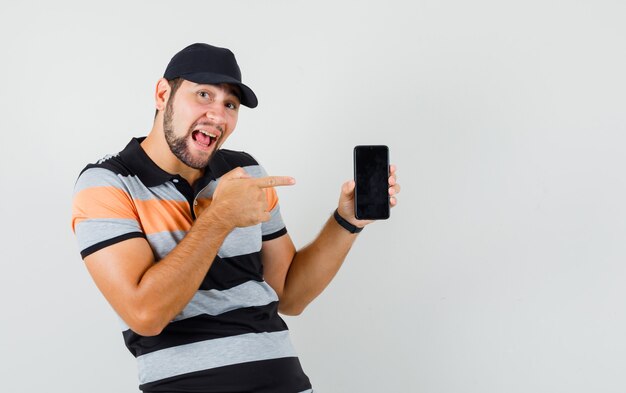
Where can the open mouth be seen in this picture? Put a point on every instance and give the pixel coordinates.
(204, 138)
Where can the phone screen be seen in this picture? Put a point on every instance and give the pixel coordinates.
(371, 175)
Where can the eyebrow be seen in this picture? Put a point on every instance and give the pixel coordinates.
(232, 90)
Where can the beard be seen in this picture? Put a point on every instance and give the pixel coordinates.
(179, 145)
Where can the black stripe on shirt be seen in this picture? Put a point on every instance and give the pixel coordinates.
(109, 242)
(275, 235)
(283, 375)
(226, 273)
(207, 327)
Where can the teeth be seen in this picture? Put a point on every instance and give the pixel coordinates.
(210, 134)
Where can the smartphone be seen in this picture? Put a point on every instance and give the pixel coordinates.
(371, 175)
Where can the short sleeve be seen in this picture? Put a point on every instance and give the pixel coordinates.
(103, 212)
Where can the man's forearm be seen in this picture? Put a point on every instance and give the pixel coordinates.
(168, 286)
(314, 266)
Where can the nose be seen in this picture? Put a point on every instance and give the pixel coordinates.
(216, 113)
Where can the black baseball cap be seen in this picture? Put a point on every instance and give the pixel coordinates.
(204, 63)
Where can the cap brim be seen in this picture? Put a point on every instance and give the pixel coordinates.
(248, 98)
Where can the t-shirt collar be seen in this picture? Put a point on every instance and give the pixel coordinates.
(142, 165)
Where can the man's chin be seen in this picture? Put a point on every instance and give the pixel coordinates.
(198, 156)
(199, 162)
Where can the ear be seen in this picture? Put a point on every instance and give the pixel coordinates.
(162, 94)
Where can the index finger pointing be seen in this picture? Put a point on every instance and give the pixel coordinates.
(274, 181)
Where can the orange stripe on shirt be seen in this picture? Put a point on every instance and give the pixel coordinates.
(153, 215)
(272, 198)
(110, 202)
(102, 202)
(203, 204)
(163, 215)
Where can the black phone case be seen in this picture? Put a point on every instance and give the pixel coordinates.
(359, 207)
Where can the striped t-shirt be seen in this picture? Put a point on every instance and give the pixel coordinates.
(229, 338)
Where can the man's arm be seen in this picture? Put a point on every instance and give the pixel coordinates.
(148, 295)
(298, 277)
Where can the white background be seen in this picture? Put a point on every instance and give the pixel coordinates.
(501, 270)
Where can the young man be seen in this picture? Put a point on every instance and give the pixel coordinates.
(186, 241)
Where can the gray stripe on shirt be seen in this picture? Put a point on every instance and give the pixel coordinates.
(100, 177)
(215, 302)
(274, 224)
(241, 241)
(96, 230)
(255, 170)
(97, 177)
(163, 243)
(208, 354)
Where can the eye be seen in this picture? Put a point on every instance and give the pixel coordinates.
(231, 105)
(203, 94)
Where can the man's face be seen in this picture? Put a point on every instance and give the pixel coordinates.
(198, 119)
